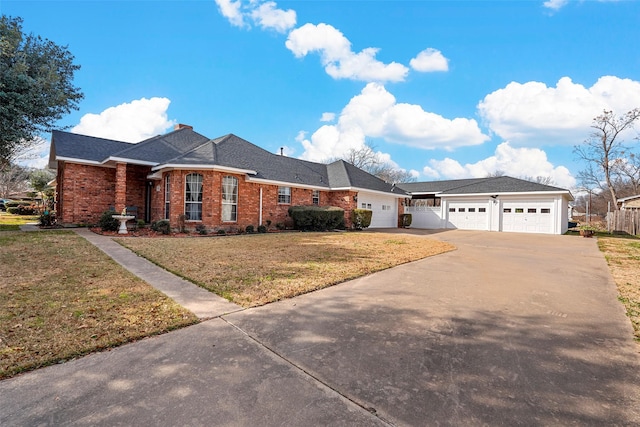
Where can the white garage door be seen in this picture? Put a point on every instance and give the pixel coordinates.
(468, 215)
(527, 217)
(385, 209)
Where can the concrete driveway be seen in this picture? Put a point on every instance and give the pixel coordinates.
(509, 329)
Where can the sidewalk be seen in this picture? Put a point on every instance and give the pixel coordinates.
(202, 303)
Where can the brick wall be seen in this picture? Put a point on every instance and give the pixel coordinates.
(248, 209)
(84, 192)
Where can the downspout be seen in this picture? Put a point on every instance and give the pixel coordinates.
(260, 211)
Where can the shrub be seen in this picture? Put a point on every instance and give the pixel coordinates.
(280, 225)
(316, 218)
(161, 226)
(21, 208)
(47, 219)
(249, 229)
(361, 218)
(140, 223)
(262, 229)
(221, 232)
(107, 222)
(405, 219)
(201, 229)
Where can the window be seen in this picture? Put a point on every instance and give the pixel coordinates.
(369, 206)
(364, 206)
(452, 209)
(545, 210)
(532, 210)
(482, 209)
(167, 195)
(193, 197)
(507, 210)
(315, 197)
(472, 209)
(461, 209)
(519, 210)
(284, 195)
(229, 199)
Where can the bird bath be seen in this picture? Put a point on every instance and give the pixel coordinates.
(123, 222)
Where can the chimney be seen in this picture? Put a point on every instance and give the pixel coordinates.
(181, 126)
(282, 151)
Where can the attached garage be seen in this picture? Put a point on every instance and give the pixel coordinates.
(384, 209)
(468, 215)
(528, 216)
(493, 204)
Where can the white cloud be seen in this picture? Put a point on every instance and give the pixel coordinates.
(375, 113)
(232, 11)
(339, 60)
(532, 113)
(328, 117)
(268, 16)
(430, 60)
(555, 4)
(130, 122)
(516, 162)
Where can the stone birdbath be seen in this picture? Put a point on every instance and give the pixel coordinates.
(123, 218)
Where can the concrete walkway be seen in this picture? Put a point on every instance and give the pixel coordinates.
(509, 329)
(202, 303)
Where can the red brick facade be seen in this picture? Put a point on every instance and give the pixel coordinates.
(85, 192)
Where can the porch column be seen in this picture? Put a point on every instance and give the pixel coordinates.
(121, 187)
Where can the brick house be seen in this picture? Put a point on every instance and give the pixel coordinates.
(225, 182)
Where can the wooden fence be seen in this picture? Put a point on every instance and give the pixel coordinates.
(624, 222)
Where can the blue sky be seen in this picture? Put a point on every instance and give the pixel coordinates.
(444, 89)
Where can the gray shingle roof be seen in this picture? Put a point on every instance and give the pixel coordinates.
(186, 147)
(499, 184)
(81, 147)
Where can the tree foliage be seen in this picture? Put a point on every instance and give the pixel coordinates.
(13, 179)
(367, 159)
(36, 88)
(611, 164)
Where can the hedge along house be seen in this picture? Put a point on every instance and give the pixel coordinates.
(220, 183)
(493, 204)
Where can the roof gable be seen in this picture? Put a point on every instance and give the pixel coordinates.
(83, 148)
(499, 184)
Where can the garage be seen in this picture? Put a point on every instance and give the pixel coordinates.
(468, 215)
(528, 216)
(494, 204)
(384, 208)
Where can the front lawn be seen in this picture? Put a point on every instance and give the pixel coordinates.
(60, 297)
(253, 270)
(623, 256)
(10, 222)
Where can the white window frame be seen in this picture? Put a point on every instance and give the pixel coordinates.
(167, 196)
(229, 201)
(189, 203)
(284, 195)
(315, 197)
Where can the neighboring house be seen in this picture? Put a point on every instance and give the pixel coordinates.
(494, 204)
(631, 203)
(225, 182)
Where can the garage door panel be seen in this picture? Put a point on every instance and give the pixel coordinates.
(527, 217)
(468, 215)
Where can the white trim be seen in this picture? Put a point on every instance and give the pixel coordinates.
(129, 161)
(204, 167)
(286, 184)
(81, 162)
(520, 193)
(366, 190)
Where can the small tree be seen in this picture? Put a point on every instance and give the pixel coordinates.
(35, 87)
(605, 151)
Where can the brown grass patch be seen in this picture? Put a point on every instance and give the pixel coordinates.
(623, 256)
(61, 297)
(253, 270)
